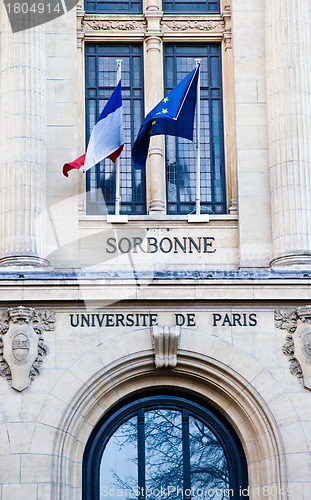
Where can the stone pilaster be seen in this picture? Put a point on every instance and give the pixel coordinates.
(156, 192)
(23, 145)
(288, 66)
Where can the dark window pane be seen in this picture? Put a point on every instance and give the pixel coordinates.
(208, 464)
(119, 462)
(164, 453)
(193, 6)
(180, 153)
(101, 80)
(116, 6)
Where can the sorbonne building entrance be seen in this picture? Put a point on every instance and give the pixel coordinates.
(162, 352)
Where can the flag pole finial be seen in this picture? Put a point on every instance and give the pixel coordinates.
(119, 66)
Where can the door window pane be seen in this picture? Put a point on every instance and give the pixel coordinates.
(119, 463)
(208, 464)
(163, 447)
(164, 453)
(178, 454)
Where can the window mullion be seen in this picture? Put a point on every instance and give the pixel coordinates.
(186, 454)
(141, 454)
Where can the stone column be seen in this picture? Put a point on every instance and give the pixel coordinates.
(155, 173)
(288, 67)
(23, 145)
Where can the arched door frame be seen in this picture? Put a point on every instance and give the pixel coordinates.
(224, 389)
(174, 400)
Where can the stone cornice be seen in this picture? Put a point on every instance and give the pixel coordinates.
(153, 287)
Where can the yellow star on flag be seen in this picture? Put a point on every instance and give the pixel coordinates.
(164, 111)
(165, 99)
(152, 123)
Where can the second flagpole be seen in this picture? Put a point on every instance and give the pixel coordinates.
(198, 146)
(197, 216)
(116, 217)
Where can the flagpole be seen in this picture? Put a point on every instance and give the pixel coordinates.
(118, 200)
(116, 217)
(198, 146)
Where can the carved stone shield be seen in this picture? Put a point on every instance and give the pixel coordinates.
(20, 350)
(21, 343)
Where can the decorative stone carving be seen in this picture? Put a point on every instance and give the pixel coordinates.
(298, 341)
(227, 36)
(165, 341)
(233, 207)
(91, 25)
(22, 345)
(153, 19)
(286, 319)
(194, 25)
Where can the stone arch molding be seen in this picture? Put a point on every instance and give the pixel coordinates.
(209, 378)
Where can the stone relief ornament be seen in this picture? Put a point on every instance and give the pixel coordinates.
(297, 322)
(22, 345)
(165, 342)
(91, 25)
(286, 319)
(194, 25)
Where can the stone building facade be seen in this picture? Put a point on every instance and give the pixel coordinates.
(211, 317)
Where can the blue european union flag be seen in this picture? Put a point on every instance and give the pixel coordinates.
(174, 115)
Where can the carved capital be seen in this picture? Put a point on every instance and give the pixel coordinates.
(165, 342)
(297, 348)
(22, 345)
(153, 19)
(153, 43)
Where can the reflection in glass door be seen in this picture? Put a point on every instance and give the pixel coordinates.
(164, 453)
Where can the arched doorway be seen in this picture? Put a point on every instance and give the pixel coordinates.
(217, 386)
(164, 445)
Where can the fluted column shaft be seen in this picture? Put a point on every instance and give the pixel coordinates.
(23, 145)
(288, 66)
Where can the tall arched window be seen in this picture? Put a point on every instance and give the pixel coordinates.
(164, 447)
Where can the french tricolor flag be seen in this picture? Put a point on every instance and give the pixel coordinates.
(107, 136)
